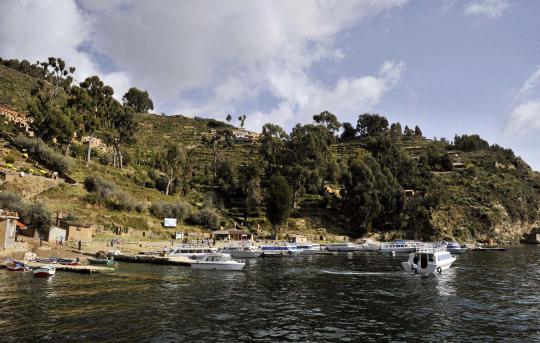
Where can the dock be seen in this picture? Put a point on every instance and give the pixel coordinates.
(488, 249)
(155, 259)
(81, 269)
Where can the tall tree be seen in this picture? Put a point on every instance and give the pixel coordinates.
(96, 107)
(371, 124)
(175, 164)
(242, 119)
(273, 145)
(278, 201)
(327, 119)
(417, 131)
(250, 187)
(138, 99)
(228, 118)
(349, 132)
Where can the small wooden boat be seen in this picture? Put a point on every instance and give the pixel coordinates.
(44, 271)
(15, 266)
(69, 261)
(49, 260)
(101, 261)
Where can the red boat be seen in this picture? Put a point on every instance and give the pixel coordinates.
(44, 271)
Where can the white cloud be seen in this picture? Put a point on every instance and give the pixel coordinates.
(37, 30)
(486, 8)
(206, 57)
(524, 118)
(529, 85)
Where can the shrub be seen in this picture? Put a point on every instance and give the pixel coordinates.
(43, 153)
(105, 192)
(10, 158)
(12, 202)
(180, 210)
(208, 218)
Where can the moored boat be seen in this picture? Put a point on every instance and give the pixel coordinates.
(191, 251)
(242, 251)
(429, 260)
(14, 265)
(346, 246)
(280, 250)
(400, 246)
(309, 248)
(102, 261)
(217, 261)
(455, 248)
(44, 271)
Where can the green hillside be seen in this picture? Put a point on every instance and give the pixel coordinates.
(481, 192)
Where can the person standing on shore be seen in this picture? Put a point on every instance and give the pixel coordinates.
(80, 245)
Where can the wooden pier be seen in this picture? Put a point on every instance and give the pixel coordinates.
(81, 269)
(154, 259)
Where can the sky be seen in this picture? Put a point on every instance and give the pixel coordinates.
(448, 66)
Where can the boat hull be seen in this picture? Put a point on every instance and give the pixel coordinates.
(243, 254)
(430, 269)
(202, 265)
(44, 272)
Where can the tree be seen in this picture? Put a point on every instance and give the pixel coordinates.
(395, 130)
(119, 128)
(328, 120)
(360, 196)
(175, 164)
(278, 201)
(228, 118)
(39, 216)
(408, 133)
(222, 140)
(242, 119)
(371, 124)
(307, 156)
(273, 140)
(138, 99)
(417, 131)
(50, 122)
(250, 187)
(349, 132)
(95, 100)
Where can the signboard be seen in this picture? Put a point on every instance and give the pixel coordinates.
(179, 235)
(170, 222)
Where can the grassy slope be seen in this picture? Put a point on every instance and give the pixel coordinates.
(473, 195)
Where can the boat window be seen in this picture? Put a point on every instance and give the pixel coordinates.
(430, 257)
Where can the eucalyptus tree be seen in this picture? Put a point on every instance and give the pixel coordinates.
(138, 99)
(278, 201)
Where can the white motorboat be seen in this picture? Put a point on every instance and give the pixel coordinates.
(309, 248)
(429, 260)
(216, 261)
(346, 246)
(44, 271)
(242, 251)
(400, 246)
(191, 251)
(455, 248)
(280, 250)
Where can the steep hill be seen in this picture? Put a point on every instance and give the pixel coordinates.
(486, 193)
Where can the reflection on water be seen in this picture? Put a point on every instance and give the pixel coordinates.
(488, 296)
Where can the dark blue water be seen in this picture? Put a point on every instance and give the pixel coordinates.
(485, 297)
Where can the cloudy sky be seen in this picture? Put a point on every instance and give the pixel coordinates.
(450, 66)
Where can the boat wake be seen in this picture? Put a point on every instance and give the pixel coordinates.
(360, 273)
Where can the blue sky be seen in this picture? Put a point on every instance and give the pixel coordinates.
(450, 66)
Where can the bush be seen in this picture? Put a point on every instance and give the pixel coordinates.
(12, 202)
(180, 210)
(470, 143)
(105, 192)
(10, 158)
(43, 153)
(208, 218)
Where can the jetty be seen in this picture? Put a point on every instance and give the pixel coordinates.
(154, 259)
(81, 269)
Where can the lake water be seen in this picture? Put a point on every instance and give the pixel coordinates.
(485, 297)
